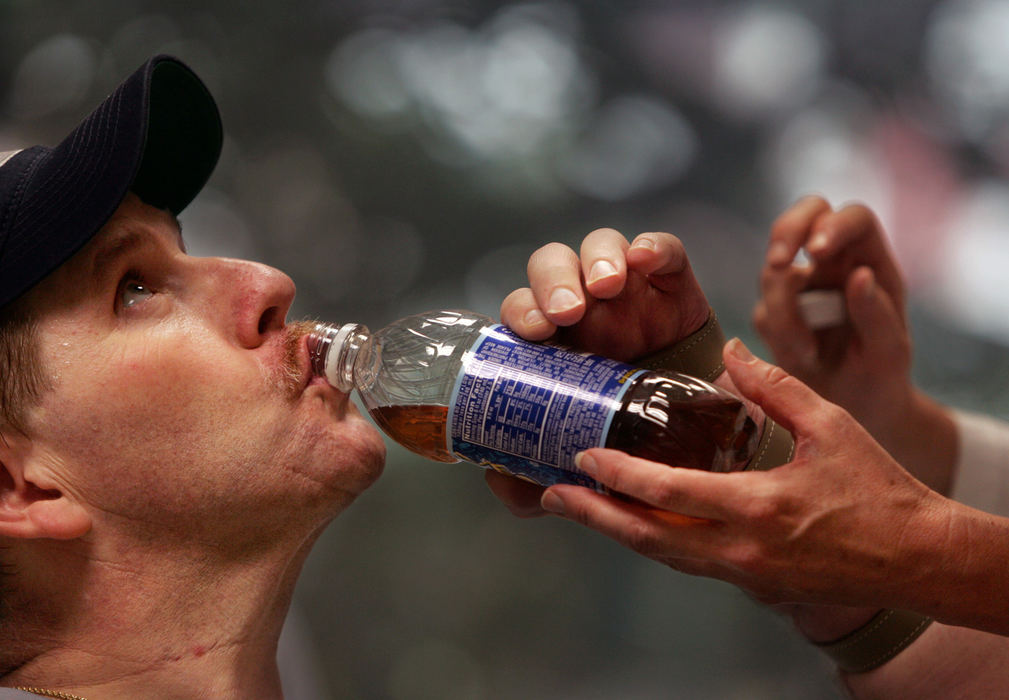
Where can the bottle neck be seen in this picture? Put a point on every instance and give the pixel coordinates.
(335, 351)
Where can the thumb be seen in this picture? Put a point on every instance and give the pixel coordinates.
(876, 320)
(789, 402)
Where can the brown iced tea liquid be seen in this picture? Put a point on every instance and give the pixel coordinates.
(420, 429)
(662, 422)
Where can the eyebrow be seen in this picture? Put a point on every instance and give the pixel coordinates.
(123, 243)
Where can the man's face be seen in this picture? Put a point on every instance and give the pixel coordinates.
(181, 405)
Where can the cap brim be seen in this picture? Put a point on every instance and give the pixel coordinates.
(159, 134)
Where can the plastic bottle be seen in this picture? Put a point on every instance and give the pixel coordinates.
(454, 385)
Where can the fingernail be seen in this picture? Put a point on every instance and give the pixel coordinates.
(563, 299)
(740, 351)
(645, 243)
(779, 254)
(586, 463)
(552, 503)
(534, 317)
(818, 243)
(601, 270)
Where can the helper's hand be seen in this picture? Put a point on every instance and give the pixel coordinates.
(616, 298)
(863, 365)
(841, 524)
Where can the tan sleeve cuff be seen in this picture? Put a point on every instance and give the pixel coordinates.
(879, 640)
(699, 354)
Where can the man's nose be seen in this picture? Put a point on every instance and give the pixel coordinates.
(260, 297)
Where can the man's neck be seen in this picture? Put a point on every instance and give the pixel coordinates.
(159, 626)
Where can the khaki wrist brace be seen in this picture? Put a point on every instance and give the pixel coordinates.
(887, 634)
(699, 354)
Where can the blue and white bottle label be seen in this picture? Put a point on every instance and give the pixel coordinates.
(528, 409)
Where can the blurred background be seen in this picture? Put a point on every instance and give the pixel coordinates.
(398, 155)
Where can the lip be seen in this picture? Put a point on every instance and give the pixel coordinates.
(296, 362)
(305, 363)
(309, 378)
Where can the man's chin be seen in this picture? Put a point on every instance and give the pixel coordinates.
(359, 454)
(320, 391)
(340, 498)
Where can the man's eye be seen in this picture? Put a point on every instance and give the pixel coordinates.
(133, 293)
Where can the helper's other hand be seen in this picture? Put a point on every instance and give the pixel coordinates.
(864, 363)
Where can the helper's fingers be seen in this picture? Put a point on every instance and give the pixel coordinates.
(790, 231)
(663, 259)
(778, 320)
(852, 225)
(853, 236)
(658, 254)
(555, 277)
(689, 492)
(604, 263)
(876, 320)
(521, 497)
(521, 313)
(654, 533)
(789, 402)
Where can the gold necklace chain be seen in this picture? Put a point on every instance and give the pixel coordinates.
(49, 693)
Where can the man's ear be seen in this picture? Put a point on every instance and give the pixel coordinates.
(32, 503)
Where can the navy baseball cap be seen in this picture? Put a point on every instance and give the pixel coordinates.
(158, 134)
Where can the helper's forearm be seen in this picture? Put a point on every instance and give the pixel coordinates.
(952, 567)
(964, 570)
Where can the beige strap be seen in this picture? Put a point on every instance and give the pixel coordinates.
(699, 354)
(887, 634)
(776, 447)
